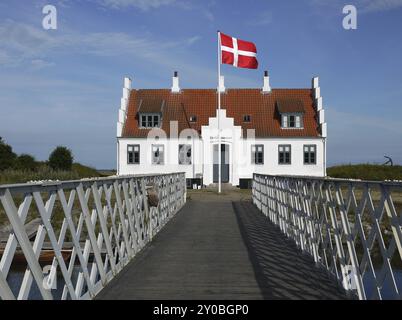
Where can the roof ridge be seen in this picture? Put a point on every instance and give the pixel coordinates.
(214, 89)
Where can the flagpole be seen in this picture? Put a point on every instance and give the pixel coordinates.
(219, 111)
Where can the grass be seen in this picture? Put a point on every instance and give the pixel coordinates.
(366, 172)
(44, 172)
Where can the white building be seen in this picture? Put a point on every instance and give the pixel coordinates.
(270, 131)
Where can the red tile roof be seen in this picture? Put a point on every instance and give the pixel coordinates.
(290, 106)
(202, 103)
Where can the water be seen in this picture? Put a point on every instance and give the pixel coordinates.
(16, 275)
(386, 292)
(15, 278)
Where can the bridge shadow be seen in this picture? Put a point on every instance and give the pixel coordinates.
(281, 269)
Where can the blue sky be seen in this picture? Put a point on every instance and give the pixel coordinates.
(63, 87)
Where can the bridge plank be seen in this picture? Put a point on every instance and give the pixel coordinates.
(221, 250)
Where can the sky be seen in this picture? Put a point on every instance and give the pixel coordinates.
(63, 86)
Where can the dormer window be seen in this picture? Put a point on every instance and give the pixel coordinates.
(193, 119)
(291, 112)
(247, 118)
(150, 120)
(292, 121)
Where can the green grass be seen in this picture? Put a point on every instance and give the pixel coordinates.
(44, 172)
(107, 172)
(85, 171)
(366, 172)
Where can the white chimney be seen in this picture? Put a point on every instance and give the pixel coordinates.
(266, 88)
(175, 86)
(221, 87)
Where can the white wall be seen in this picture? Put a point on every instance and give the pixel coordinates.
(241, 166)
(239, 155)
(297, 167)
(171, 163)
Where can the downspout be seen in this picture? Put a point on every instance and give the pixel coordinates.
(325, 156)
(118, 157)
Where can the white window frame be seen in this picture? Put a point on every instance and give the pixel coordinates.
(284, 148)
(310, 149)
(160, 148)
(257, 148)
(187, 160)
(149, 124)
(298, 121)
(133, 148)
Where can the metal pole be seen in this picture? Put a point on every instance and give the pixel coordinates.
(219, 111)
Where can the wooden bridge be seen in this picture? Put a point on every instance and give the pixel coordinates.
(147, 237)
(222, 247)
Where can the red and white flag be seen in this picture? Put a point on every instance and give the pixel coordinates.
(239, 53)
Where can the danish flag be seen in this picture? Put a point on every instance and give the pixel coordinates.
(239, 53)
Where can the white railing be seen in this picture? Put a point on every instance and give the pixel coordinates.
(84, 232)
(352, 228)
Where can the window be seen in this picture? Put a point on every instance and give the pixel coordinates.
(185, 154)
(149, 120)
(310, 154)
(257, 154)
(133, 154)
(292, 121)
(284, 154)
(247, 118)
(158, 151)
(193, 119)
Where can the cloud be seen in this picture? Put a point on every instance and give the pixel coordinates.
(363, 6)
(141, 4)
(380, 5)
(23, 44)
(38, 64)
(203, 8)
(193, 40)
(262, 19)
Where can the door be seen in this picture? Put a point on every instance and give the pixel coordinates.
(224, 163)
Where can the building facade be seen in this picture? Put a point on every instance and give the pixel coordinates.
(269, 131)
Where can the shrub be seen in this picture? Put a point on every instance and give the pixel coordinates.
(7, 156)
(61, 158)
(43, 172)
(366, 172)
(25, 162)
(85, 171)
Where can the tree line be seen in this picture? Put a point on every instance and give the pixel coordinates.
(60, 159)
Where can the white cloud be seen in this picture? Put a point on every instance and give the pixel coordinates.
(203, 7)
(38, 64)
(27, 46)
(380, 5)
(262, 19)
(193, 40)
(23, 44)
(363, 6)
(141, 4)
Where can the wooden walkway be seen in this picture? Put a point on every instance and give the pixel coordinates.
(221, 247)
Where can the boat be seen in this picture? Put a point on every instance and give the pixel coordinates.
(46, 256)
